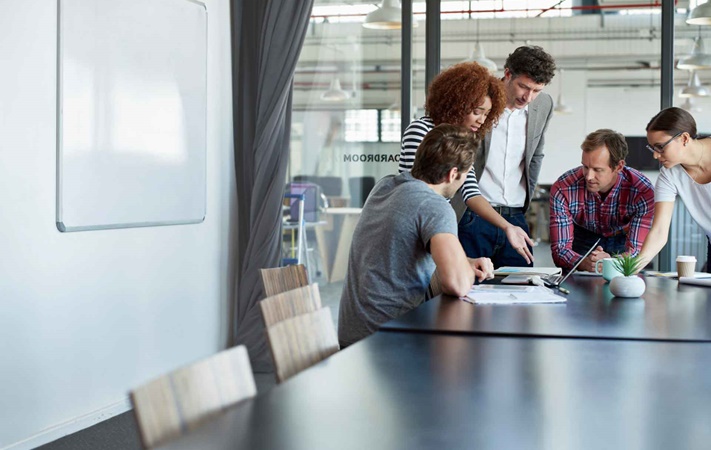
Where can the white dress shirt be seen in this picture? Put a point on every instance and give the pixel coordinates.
(503, 182)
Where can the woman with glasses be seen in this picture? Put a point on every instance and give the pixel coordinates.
(685, 172)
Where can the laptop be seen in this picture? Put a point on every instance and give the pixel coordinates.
(555, 281)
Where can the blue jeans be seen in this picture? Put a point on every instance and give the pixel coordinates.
(584, 239)
(482, 239)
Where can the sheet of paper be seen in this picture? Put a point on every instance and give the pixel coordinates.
(587, 274)
(510, 295)
(508, 270)
(696, 281)
(654, 273)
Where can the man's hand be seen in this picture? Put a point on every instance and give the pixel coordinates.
(483, 268)
(520, 241)
(588, 263)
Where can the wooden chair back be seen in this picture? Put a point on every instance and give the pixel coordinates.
(290, 304)
(435, 287)
(302, 341)
(282, 279)
(180, 401)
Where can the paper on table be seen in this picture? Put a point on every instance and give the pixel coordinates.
(696, 281)
(508, 270)
(510, 295)
(585, 273)
(654, 273)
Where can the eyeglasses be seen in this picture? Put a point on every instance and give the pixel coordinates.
(656, 148)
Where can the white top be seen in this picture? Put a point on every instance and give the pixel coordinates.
(696, 197)
(503, 182)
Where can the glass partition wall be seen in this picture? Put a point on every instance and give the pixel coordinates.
(346, 122)
(692, 75)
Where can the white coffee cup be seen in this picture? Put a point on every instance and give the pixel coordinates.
(685, 266)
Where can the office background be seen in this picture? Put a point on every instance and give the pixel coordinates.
(86, 316)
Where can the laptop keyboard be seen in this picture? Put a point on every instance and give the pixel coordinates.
(553, 279)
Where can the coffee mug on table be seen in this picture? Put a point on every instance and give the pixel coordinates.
(608, 270)
(685, 266)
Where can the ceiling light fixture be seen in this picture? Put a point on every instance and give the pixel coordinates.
(335, 93)
(698, 59)
(694, 88)
(480, 58)
(560, 106)
(690, 106)
(388, 16)
(478, 55)
(701, 15)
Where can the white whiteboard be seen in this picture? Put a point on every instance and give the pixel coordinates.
(131, 113)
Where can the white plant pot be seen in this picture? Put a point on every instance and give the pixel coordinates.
(632, 286)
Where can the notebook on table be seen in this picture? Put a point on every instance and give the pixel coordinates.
(541, 271)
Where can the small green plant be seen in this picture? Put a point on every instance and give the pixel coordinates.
(627, 265)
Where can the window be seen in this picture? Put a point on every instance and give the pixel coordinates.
(389, 126)
(361, 125)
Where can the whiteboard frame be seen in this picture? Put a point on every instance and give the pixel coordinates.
(60, 220)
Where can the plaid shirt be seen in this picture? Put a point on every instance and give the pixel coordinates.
(628, 208)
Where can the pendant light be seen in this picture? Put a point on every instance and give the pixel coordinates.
(480, 58)
(388, 16)
(690, 106)
(701, 15)
(698, 59)
(694, 88)
(478, 55)
(560, 106)
(334, 92)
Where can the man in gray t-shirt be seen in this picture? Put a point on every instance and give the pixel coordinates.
(406, 230)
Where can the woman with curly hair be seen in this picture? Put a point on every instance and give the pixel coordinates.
(465, 94)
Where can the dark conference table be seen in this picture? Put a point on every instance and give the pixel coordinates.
(437, 391)
(667, 311)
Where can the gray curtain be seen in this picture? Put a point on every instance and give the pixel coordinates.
(267, 36)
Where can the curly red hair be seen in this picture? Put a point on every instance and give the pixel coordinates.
(458, 90)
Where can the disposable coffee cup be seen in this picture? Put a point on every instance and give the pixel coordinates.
(685, 266)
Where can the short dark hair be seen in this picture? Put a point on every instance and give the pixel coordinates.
(458, 90)
(614, 141)
(444, 147)
(673, 120)
(532, 61)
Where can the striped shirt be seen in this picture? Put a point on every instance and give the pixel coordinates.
(628, 208)
(414, 134)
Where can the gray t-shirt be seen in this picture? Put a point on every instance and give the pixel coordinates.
(389, 266)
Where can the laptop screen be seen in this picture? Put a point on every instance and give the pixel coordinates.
(590, 250)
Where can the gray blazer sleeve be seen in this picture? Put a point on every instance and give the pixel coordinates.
(537, 159)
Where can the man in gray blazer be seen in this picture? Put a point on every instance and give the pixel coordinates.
(509, 161)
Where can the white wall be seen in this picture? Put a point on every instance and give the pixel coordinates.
(626, 110)
(566, 131)
(86, 316)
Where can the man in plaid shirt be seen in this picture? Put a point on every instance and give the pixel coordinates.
(603, 198)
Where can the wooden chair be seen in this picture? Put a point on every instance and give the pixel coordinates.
(282, 279)
(302, 341)
(290, 304)
(180, 401)
(435, 287)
